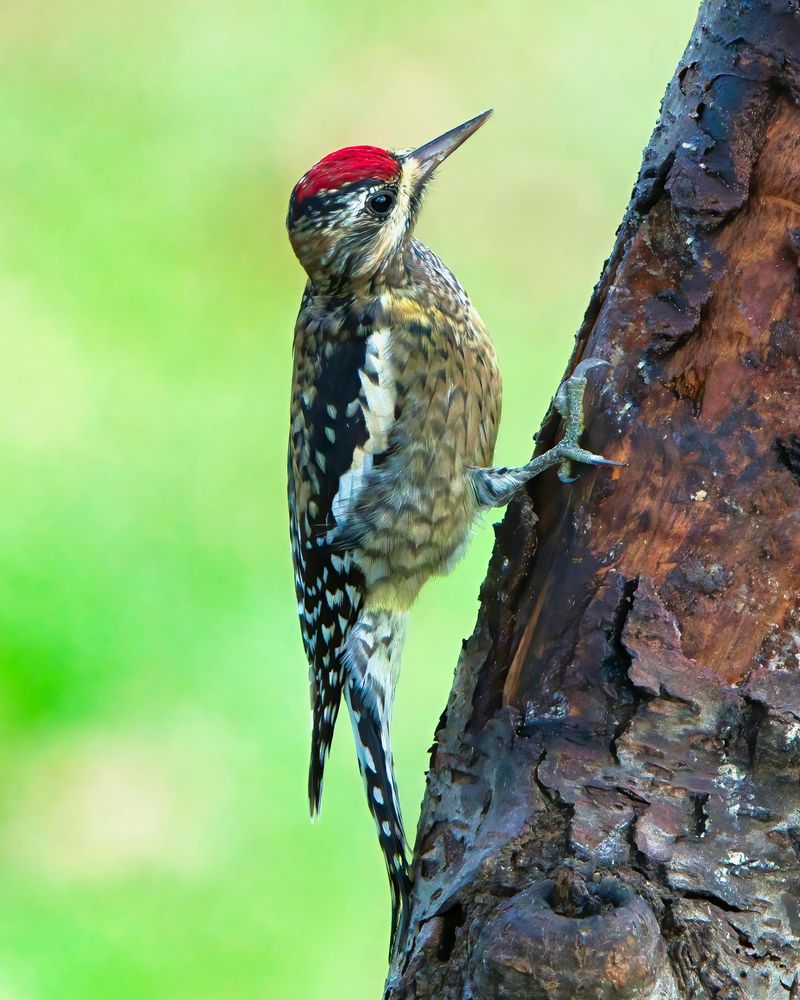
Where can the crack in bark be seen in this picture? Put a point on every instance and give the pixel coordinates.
(700, 813)
(714, 899)
(621, 659)
(788, 450)
(452, 919)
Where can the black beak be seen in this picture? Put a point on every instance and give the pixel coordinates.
(432, 153)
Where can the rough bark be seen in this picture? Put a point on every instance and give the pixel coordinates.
(613, 805)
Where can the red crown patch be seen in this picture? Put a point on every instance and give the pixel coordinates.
(353, 163)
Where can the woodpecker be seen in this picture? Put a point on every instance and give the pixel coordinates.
(395, 406)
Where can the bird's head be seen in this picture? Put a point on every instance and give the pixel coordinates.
(352, 212)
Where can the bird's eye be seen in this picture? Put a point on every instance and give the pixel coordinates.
(381, 203)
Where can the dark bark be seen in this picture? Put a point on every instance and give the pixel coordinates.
(613, 806)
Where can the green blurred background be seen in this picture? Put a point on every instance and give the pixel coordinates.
(154, 838)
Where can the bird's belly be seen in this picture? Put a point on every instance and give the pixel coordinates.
(422, 534)
(419, 504)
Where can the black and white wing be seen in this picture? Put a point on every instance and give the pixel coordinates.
(334, 443)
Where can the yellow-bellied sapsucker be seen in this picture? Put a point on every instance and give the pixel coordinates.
(394, 413)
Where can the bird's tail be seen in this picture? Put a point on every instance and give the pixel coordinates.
(377, 769)
(326, 688)
(373, 660)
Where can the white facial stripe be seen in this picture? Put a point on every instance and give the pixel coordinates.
(394, 229)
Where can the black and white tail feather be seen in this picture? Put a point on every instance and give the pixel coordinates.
(370, 732)
(327, 695)
(372, 660)
(365, 669)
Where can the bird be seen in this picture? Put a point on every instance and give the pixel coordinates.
(395, 408)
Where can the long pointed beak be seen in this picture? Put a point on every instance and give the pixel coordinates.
(432, 153)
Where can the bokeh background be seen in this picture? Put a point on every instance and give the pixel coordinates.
(154, 839)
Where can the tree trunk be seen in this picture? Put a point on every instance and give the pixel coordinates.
(613, 805)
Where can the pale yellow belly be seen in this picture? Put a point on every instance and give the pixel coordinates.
(423, 535)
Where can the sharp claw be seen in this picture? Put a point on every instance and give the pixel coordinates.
(569, 403)
(584, 458)
(599, 460)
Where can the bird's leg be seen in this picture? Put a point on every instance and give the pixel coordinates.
(495, 487)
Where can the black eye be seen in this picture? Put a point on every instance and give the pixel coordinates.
(381, 203)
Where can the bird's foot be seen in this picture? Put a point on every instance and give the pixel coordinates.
(569, 403)
(495, 487)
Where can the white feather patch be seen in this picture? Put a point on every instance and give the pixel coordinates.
(377, 401)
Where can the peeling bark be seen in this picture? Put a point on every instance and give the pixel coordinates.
(613, 804)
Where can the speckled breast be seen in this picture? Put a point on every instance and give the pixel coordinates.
(447, 408)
